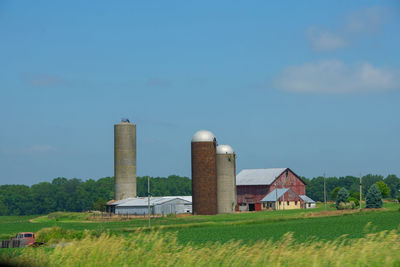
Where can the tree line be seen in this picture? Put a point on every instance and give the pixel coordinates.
(389, 186)
(62, 194)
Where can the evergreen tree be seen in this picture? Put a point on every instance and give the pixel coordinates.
(374, 197)
(342, 196)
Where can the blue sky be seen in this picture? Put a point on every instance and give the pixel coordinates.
(313, 85)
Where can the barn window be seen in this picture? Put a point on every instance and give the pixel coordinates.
(287, 203)
(295, 203)
(309, 205)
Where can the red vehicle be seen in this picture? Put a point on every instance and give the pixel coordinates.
(28, 236)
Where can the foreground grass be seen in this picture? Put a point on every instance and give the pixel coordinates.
(156, 249)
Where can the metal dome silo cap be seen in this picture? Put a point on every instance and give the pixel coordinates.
(225, 149)
(203, 136)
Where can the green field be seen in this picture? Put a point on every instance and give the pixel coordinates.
(248, 227)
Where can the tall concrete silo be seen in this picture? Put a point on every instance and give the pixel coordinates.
(226, 179)
(125, 160)
(204, 173)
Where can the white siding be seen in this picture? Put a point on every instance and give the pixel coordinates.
(170, 206)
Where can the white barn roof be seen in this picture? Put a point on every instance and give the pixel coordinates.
(258, 176)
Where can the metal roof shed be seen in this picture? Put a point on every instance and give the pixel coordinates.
(158, 205)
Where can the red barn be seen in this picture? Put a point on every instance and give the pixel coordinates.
(254, 184)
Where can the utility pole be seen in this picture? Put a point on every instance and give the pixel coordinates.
(276, 195)
(360, 190)
(148, 197)
(325, 190)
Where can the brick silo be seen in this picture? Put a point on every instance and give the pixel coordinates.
(204, 173)
(226, 179)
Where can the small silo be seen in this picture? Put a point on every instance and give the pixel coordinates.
(204, 173)
(125, 159)
(226, 179)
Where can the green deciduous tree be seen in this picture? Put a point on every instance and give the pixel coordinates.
(394, 184)
(334, 192)
(64, 194)
(3, 207)
(384, 188)
(374, 197)
(100, 204)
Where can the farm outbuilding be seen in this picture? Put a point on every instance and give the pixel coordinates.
(158, 205)
(308, 202)
(253, 185)
(110, 205)
(281, 198)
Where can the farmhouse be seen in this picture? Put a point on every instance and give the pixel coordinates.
(277, 188)
(158, 205)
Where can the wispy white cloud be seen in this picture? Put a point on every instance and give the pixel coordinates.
(334, 76)
(363, 22)
(322, 40)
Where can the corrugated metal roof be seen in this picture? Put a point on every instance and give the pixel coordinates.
(118, 202)
(187, 198)
(306, 199)
(143, 201)
(258, 176)
(274, 195)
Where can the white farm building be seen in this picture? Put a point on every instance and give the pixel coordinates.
(158, 205)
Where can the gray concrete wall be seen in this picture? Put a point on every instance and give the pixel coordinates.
(125, 160)
(226, 183)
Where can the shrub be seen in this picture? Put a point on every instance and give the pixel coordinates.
(374, 197)
(347, 206)
(342, 196)
(355, 200)
(56, 234)
(355, 194)
(351, 205)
